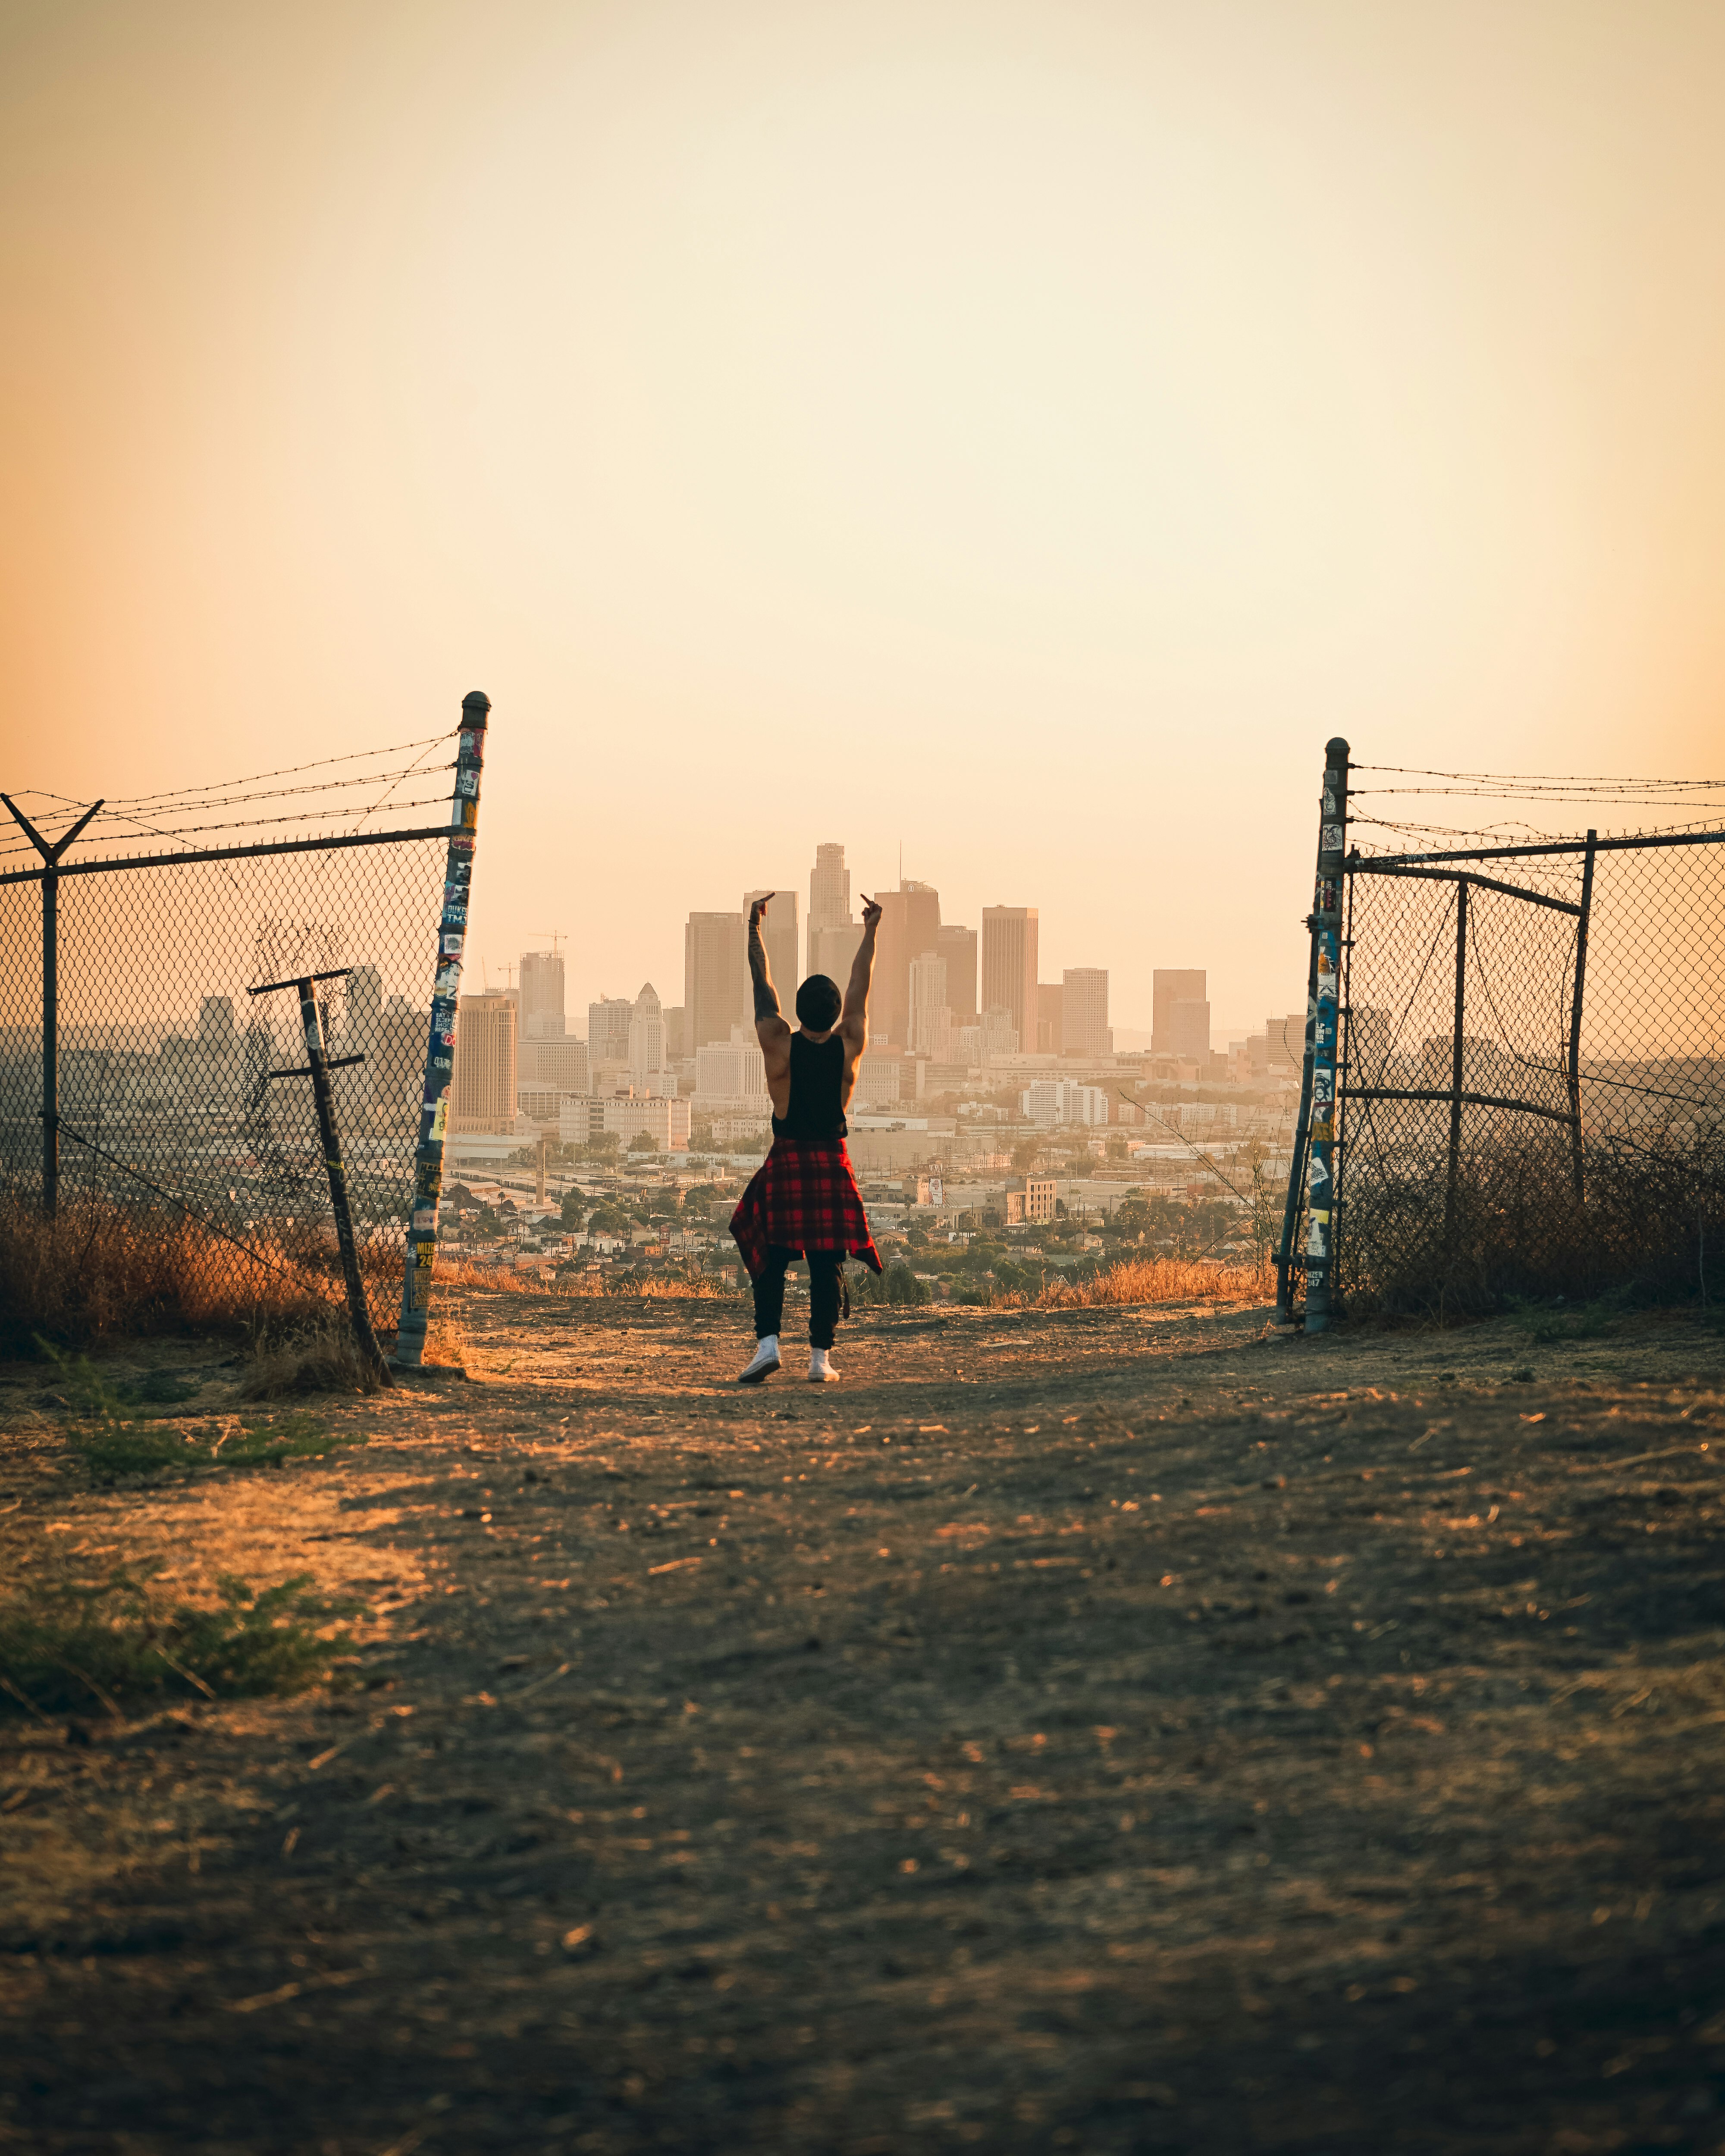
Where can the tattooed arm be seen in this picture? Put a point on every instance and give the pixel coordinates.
(771, 1030)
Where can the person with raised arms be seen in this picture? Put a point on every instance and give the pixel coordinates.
(804, 1201)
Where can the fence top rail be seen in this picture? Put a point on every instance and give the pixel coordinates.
(228, 853)
(1359, 863)
(1369, 867)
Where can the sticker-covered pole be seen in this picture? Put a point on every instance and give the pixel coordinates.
(441, 1050)
(1322, 1159)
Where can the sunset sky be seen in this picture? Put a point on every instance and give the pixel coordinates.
(1024, 432)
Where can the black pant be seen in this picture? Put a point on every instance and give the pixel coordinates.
(824, 1269)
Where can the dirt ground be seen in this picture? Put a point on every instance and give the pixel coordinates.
(1098, 1730)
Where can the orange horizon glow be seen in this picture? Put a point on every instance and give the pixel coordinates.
(1025, 433)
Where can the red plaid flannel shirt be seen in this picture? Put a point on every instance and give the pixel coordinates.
(803, 1196)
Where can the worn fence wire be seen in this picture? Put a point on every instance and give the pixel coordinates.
(168, 1111)
(1565, 1139)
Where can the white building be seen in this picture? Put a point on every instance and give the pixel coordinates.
(1051, 1103)
(665, 1121)
(732, 1070)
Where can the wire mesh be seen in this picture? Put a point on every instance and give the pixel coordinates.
(1555, 1143)
(169, 1108)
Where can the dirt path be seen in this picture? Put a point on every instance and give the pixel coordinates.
(1102, 1730)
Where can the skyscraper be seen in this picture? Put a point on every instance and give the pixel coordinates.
(910, 925)
(957, 946)
(833, 935)
(1050, 1004)
(483, 1084)
(542, 995)
(1171, 985)
(930, 1016)
(715, 969)
(778, 933)
(646, 1033)
(829, 889)
(1084, 1011)
(1009, 953)
(608, 1023)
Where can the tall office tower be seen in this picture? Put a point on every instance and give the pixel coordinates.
(715, 969)
(832, 950)
(910, 925)
(542, 995)
(483, 1087)
(365, 1007)
(1009, 936)
(646, 1035)
(828, 891)
(957, 946)
(215, 1015)
(930, 1028)
(1169, 987)
(608, 1023)
(1189, 1030)
(675, 1050)
(778, 933)
(1084, 1011)
(1050, 1007)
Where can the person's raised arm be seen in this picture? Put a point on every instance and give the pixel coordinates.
(854, 1018)
(770, 1028)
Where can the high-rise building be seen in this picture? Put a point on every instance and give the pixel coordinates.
(1171, 985)
(608, 1024)
(832, 950)
(646, 1035)
(910, 925)
(829, 891)
(930, 1028)
(483, 1087)
(1050, 1009)
(778, 933)
(553, 1065)
(1009, 953)
(1189, 1030)
(1084, 1011)
(542, 992)
(714, 971)
(365, 1007)
(957, 946)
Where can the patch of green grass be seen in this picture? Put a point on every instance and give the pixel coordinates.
(70, 1646)
(115, 1443)
(115, 1448)
(1550, 1324)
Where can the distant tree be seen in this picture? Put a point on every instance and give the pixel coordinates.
(643, 1142)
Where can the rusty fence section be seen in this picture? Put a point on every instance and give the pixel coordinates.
(1530, 1093)
(137, 1073)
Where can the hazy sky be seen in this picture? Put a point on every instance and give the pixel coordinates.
(1024, 431)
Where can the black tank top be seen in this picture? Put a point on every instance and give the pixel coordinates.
(817, 1091)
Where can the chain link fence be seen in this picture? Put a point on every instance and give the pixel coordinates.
(1531, 1097)
(161, 1102)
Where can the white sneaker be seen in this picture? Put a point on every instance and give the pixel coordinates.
(765, 1363)
(820, 1369)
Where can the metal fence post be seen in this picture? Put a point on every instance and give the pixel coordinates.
(441, 1050)
(358, 1309)
(1458, 1065)
(1326, 1004)
(1581, 927)
(50, 995)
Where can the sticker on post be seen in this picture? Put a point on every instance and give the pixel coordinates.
(1317, 1239)
(1318, 1172)
(425, 1217)
(1330, 842)
(454, 944)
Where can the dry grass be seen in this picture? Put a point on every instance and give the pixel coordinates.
(1157, 1280)
(462, 1272)
(314, 1354)
(101, 1270)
